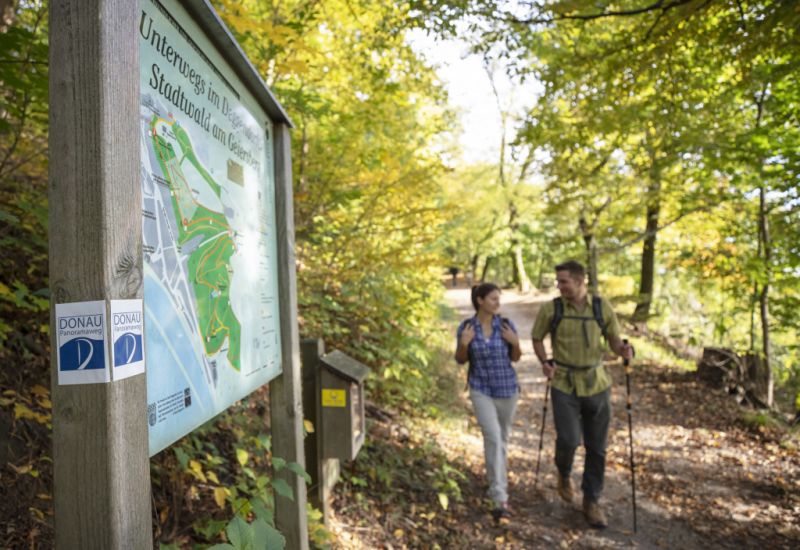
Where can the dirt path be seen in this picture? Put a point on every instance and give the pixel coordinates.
(701, 482)
(704, 478)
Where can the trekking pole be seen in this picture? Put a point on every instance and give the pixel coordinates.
(628, 370)
(541, 434)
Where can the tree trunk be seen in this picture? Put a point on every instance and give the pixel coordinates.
(754, 299)
(520, 275)
(540, 276)
(647, 276)
(473, 269)
(763, 228)
(521, 280)
(301, 170)
(591, 254)
(485, 270)
(512, 256)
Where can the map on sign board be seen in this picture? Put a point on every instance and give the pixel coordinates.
(209, 238)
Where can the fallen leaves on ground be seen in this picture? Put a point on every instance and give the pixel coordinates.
(705, 478)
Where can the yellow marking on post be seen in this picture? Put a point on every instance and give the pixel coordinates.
(334, 398)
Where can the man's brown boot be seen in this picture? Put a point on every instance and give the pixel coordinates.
(565, 488)
(594, 515)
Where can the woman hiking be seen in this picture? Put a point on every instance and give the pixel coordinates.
(489, 343)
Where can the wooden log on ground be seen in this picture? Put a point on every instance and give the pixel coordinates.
(723, 369)
(757, 379)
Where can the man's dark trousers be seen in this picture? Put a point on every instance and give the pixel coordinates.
(589, 416)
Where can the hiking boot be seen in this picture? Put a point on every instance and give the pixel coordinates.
(565, 488)
(501, 512)
(594, 515)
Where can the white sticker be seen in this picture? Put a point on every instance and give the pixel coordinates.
(127, 337)
(82, 343)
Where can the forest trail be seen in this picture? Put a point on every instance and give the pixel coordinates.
(703, 480)
(705, 477)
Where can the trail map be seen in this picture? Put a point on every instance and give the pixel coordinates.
(209, 244)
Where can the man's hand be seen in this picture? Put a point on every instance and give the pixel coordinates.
(467, 335)
(622, 348)
(548, 368)
(627, 351)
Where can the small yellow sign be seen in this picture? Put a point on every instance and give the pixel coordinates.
(334, 398)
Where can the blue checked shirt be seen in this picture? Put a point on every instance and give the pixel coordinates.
(492, 373)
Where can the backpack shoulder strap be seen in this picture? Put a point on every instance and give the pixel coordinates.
(507, 321)
(558, 314)
(597, 311)
(466, 322)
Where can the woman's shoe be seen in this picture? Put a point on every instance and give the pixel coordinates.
(501, 511)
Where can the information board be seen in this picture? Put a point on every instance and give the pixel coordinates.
(209, 231)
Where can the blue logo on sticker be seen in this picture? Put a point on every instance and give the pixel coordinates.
(82, 354)
(127, 349)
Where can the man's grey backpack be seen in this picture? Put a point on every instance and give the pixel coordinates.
(558, 315)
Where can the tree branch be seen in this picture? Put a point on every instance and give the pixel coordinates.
(659, 5)
(647, 234)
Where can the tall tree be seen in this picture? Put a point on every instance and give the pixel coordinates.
(510, 177)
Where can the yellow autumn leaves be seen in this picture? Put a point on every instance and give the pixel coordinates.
(22, 404)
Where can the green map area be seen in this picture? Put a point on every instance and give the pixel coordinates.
(208, 263)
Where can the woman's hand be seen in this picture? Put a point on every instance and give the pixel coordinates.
(467, 335)
(462, 350)
(509, 335)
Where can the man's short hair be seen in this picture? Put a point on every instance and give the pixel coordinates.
(575, 269)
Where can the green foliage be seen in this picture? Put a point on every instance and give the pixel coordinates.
(762, 420)
(406, 484)
(368, 113)
(672, 128)
(649, 352)
(23, 185)
(220, 474)
(258, 535)
(395, 473)
(479, 224)
(318, 536)
(24, 300)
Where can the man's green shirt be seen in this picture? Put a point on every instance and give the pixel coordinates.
(579, 347)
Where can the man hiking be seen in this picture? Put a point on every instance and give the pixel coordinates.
(581, 388)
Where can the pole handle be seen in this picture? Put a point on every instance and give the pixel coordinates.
(625, 361)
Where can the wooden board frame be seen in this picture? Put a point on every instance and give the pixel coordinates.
(100, 449)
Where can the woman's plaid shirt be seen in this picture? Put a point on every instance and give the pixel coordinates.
(491, 372)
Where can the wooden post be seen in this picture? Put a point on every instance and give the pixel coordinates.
(100, 450)
(329, 471)
(324, 472)
(286, 407)
(311, 349)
